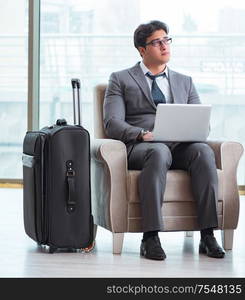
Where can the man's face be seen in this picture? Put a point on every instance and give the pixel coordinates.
(155, 52)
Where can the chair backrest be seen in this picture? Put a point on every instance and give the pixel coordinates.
(99, 94)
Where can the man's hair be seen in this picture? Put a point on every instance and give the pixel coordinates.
(143, 31)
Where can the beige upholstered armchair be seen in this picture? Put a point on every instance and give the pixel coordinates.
(115, 199)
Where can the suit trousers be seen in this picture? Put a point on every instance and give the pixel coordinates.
(154, 159)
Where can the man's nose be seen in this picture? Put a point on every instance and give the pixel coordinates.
(163, 44)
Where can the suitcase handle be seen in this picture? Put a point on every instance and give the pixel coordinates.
(70, 174)
(75, 82)
(61, 122)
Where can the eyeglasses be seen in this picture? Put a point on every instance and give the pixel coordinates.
(159, 43)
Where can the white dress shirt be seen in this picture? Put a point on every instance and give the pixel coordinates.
(162, 82)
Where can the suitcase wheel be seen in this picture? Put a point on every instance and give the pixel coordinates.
(89, 248)
(52, 249)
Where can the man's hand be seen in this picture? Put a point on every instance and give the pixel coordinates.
(148, 137)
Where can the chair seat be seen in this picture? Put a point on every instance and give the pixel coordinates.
(178, 186)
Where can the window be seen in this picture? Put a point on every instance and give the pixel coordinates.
(13, 85)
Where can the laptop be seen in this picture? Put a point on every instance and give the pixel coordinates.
(182, 122)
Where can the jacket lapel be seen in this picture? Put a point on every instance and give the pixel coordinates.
(172, 84)
(177, 92)
(137, 74)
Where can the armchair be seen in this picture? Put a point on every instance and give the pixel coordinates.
(115, 199)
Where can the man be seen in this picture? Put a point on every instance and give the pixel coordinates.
(130, 106)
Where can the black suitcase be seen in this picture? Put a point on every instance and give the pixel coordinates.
(56, 184)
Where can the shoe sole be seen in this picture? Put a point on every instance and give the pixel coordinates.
(150, 257)
(205, 251)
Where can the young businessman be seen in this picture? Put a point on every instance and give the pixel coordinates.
(130, 106)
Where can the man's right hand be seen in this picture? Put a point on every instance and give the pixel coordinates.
(148, 137)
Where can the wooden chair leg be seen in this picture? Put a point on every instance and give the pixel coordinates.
(227, 238)
(117, 239)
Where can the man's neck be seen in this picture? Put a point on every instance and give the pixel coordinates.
(155, 69)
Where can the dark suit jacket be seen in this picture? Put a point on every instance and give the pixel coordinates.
(129, 107)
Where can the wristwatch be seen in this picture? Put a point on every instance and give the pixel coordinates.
(142, 133)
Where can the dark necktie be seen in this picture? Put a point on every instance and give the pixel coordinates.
(157, 94)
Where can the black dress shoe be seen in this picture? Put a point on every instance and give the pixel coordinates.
(151, 248)
(208, 245)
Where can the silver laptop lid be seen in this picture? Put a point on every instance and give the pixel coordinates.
(182, 122)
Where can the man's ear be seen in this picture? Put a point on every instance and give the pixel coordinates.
(141, 51)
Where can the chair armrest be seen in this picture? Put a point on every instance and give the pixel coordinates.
(216, 147)
(109, 184)
(227, 155)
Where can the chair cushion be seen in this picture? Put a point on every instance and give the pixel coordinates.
(178, 186)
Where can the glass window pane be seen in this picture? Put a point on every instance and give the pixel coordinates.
(13, 85)
(78, 41)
